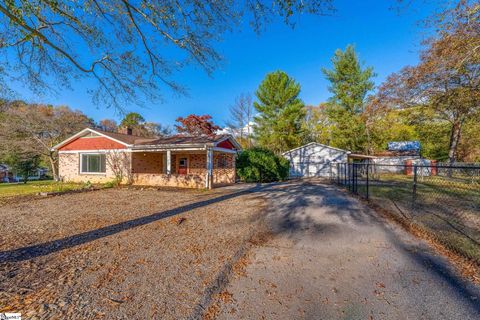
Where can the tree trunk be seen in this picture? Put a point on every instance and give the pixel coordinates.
(454, 140)
(53, 166)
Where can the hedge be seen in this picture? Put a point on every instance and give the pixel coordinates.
(261, 165)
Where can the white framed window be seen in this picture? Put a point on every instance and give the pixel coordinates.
(92, 163)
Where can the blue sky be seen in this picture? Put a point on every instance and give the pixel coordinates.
(383, 38)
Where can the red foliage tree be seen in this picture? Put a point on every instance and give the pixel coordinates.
(196, 125)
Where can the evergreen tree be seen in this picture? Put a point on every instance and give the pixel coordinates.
(281, 113)
(350, 84)
(132, 120)
(23, 164)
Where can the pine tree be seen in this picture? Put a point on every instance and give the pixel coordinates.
(350, 85)
(278, 125)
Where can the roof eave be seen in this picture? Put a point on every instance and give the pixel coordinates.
(310, 143)
(172, 146)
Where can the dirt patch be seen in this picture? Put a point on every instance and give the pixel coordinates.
(121, 253)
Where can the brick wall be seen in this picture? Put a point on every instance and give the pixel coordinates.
(198, 164)
(69, 169)
(172, 180)
(148, 162)
(148, 170)
(223, 168)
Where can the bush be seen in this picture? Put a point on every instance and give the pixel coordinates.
(111, 184)
(261, 165)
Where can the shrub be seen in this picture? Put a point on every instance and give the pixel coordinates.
(261, 165)
(111, 184)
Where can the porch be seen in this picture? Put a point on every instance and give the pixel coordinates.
(183, 168)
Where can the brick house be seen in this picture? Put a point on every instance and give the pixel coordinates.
(178, 161)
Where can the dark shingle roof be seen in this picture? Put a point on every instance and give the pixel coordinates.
(183, 139)
(169, 140)
(125, 138)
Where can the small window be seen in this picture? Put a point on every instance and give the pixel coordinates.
(222, 162)
(182, 162)
(92, 163)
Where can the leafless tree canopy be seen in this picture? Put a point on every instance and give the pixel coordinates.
(33, 129)
(130, 48)
(241, 116)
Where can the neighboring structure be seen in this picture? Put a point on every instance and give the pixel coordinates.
(314, 160)
(177, 161)
(5, 174)
(397, 154)
(9, 175)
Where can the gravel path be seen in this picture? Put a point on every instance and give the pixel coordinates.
(119, 253)
(333, 258)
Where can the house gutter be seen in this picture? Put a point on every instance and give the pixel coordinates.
(172, 147)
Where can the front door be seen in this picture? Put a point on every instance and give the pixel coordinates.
(182, 166)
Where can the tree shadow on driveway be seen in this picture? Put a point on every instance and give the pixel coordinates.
(327, 214)
(293, 206)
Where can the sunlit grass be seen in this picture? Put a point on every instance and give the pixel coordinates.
(34, 187)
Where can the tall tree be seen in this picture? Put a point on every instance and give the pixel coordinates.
(153, 129)
(241, 117)
(318, 126)
(35, 129)
(132, 120)
(142, 128)
(349, 83)
(126, 47)
(108, 125)
(447, 79)
(196, 125)
(281, 113)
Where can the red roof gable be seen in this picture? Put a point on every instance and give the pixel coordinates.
(92, 143)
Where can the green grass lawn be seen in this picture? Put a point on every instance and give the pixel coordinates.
(33, 187)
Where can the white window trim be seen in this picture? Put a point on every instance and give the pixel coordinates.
(80, 154)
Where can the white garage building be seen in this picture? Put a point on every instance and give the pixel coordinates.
(314, 160)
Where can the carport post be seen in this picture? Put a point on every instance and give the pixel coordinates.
(169, 162)
(208, 183)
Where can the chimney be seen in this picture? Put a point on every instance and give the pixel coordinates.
(125, 130)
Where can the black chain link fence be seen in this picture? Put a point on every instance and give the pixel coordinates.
(440, 199)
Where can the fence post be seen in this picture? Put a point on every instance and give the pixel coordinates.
(355, 178)
(414, 195)
(345, 174)
(338, 173)
(349, 177)
(368, 172)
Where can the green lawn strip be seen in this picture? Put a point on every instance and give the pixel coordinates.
(34, 187)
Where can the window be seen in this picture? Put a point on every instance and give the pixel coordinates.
(222, 161)
(182, 162)
(92, 163)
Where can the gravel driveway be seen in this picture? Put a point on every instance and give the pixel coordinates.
(121, 254)
(333, 258)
